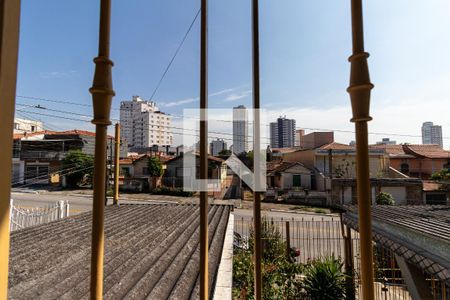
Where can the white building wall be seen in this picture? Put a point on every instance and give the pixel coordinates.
(144, 125)
(27, 126)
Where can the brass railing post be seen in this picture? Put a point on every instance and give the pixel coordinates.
(9, 48)
(256, 151)
(116, 165)
(359, 90)
(204, 277)
(102, 94)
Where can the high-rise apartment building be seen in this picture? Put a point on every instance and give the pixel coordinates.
(282, 133)
(240, 129)
(143, 124)
(216, 146)
(432, 134)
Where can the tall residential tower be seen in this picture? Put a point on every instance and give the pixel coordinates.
(432, 134)
(240, 129)
(143, 124)
(282, 133)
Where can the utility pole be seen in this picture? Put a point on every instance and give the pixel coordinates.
(116, 165)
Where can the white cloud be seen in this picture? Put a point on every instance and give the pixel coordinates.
(237, 96)
(180, 102)
(57, 74)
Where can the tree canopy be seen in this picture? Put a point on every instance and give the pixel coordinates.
(155, 168)
(77, 166)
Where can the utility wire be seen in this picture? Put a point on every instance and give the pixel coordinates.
(174, 55)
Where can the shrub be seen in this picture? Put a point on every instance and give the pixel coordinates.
(385, 199)
(324, 280)
(278, 271)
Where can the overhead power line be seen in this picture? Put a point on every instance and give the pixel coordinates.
(174, 55)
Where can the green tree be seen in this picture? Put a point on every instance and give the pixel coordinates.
(155, 168)
(385, 199)
(77, 166)
(225, 152)
(443, 175)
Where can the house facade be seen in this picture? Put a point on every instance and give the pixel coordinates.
(404, 191)
(418, 161)
(335, 160)
(38, 157)
(289, 175)
(174, 173)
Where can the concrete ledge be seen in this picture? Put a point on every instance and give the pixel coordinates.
(224, 281)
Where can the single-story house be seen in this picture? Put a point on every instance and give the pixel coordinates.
(289, 175)
(174, 177)
(404, 190)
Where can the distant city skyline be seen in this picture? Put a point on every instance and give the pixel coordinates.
(300, 76)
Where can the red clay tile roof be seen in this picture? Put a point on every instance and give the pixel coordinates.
(48, 132)
(76, 131)
(272, 165)
(336, 146)
(390, 149)
(285, 150)
(427, 151)
(283, 166)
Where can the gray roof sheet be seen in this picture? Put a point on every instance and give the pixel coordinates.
(418, 233)
(151, 251)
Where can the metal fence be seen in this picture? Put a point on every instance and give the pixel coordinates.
(24, 217)
(319, 237)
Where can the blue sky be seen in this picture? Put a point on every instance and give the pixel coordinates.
(304, 50)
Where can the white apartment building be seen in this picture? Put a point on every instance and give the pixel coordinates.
(432, 134)
(143, 124)
(27, 126)
(240, 129)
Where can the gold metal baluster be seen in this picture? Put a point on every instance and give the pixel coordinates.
(359, 90)
(9, 47)
(102, 94)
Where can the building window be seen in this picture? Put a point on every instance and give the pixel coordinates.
(145, 171)
(404, 168)
(447, 166)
